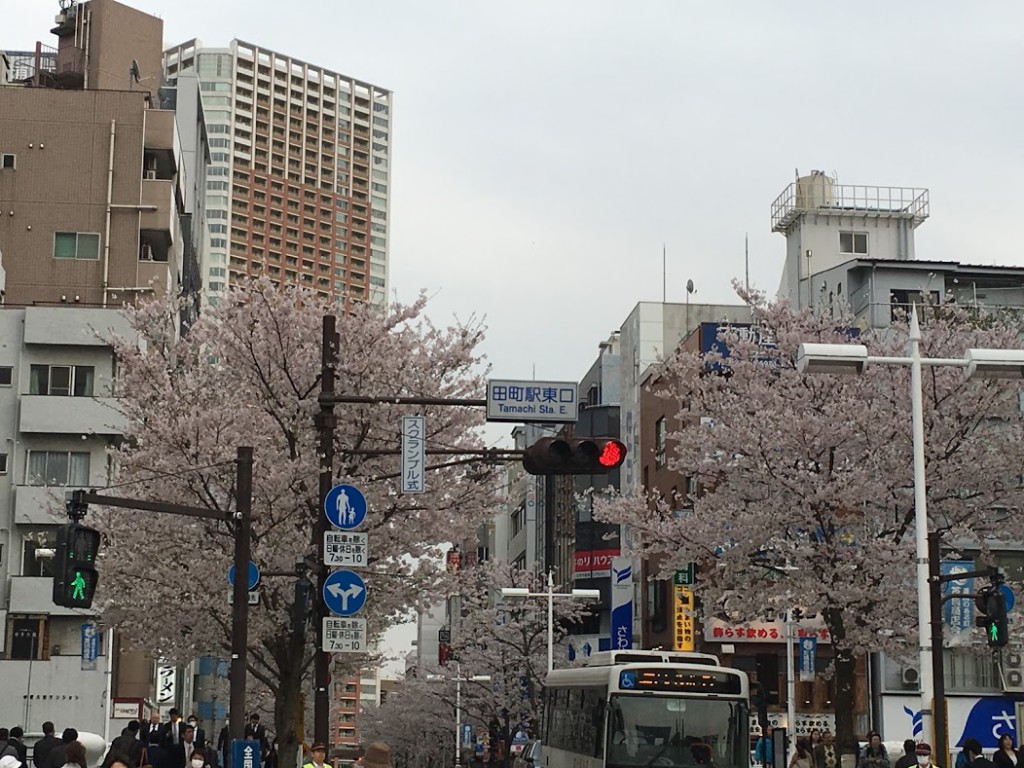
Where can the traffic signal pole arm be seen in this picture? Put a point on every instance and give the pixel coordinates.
(242, 517)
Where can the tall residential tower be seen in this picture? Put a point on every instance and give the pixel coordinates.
(298, 188)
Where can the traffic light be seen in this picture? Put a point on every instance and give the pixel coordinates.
(74, 574)
(573, 456)
(991, 603)
(302, 607)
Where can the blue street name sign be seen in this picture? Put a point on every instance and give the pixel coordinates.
(344, 593)
(254, 575)
(345, 507)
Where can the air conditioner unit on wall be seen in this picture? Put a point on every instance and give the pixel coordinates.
(151, 173)
(1011, 668)
(145, 252)
(910, 677)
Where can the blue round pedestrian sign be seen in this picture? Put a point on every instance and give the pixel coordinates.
(344, 593)
(254, 576)
(345, 507)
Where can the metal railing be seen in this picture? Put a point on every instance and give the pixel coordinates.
(821, 195)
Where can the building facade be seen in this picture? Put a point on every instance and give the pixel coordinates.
(299, 183)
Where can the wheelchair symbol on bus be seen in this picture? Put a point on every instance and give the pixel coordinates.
(627, 680)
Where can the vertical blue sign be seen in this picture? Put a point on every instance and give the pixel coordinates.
(622, 603)
(245, 754)
(959, 612)
(90, 645)
(808, 650)
(467, 734)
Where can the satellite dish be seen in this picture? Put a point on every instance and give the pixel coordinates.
(689, 286)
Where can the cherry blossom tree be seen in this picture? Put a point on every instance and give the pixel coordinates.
(501, 638)
(806, 481)
(415, 723)
(247, 373)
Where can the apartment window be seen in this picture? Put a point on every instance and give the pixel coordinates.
(7, 161)
(3, 463)
(855, 243)
(62, 380)
(37, 566)
(76, 245)
(660, 434)
(26, 638)
(6, 375)
(57, 468)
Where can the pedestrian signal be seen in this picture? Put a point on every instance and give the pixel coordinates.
(573, 456)
(991, 604)
(74, 575)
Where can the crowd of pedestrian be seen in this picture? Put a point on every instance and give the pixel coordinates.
(819, 751)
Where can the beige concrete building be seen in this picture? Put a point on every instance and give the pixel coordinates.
(99, 202)
(91, 183)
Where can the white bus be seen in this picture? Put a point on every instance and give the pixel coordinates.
(646, 715)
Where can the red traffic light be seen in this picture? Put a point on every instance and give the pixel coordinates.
(613, 454)
(573, 456)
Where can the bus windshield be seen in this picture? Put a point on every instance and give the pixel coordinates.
(675, 732)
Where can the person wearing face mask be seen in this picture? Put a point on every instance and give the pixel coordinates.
(200, 737)
(198, 759)
(924, 756)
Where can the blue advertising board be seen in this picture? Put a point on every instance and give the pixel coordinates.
(808, 650)
(90, 645)
(622, 603)
(958, 612)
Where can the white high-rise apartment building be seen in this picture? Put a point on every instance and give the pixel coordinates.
(300, 162)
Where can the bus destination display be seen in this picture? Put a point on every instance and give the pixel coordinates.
(679, 680)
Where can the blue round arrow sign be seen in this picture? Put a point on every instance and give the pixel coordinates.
(254, 575)
(344, 593)
(345, 507)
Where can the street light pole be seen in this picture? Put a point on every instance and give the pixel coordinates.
(550, 595)
(459, 680)
(924, 613)
(981, 363)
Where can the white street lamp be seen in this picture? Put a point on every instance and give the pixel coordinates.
(980, 363)
(550, 594)
(459, 680)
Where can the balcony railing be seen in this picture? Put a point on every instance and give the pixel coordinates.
(820, 195)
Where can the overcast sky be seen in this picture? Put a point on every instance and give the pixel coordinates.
(544, 150)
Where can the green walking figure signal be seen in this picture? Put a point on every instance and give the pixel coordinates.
(79, 586)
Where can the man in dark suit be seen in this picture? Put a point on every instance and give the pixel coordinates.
(180, 755)
(200, 738)
(58, 756)
(172, 729)
(155, 754)
(153, 724)
(224, 743)
(44, 746)
(257, 732)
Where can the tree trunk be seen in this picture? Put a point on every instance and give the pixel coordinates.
(845, 666)
(289, 709)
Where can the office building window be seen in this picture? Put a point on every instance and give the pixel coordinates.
(84, 246)
(61, 380)
(3, 463)
(854, 243)
(660, 436)
(57, 468)
(6, 375)
(7, 161)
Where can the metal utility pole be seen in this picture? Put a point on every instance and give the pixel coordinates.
(240, 608)
(242, 518)
(940, 735)
(326, 422)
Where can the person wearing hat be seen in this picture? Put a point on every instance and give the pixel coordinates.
(317, 756)
(378, 755)
(924, 755)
